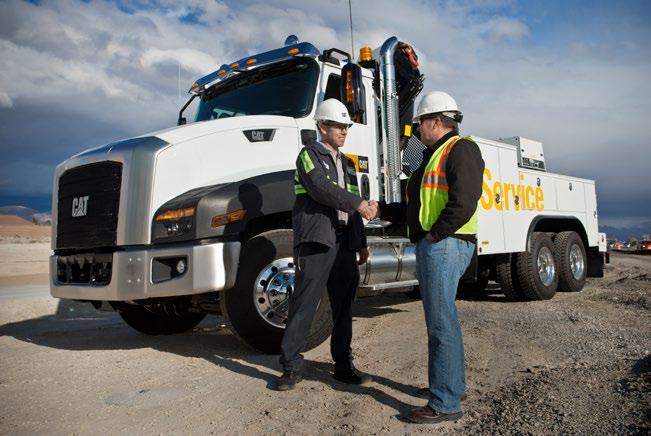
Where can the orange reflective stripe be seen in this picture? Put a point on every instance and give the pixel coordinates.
(435, 173)
(435, 186)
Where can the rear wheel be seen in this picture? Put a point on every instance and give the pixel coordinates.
(506, 275)
(537, 271)
(257, 307)
(570, 256)
(476, 286)
(161, 319)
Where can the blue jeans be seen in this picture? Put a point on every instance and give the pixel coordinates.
(440, 265)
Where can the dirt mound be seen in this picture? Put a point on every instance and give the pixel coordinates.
(13, 220)
(16, 229)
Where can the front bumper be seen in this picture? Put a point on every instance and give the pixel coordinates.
(210, 267)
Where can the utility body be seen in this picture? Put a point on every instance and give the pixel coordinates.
(196, 219)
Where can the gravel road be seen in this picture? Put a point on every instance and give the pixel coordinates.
(577, 364)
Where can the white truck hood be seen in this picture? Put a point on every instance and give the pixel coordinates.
(162, 165)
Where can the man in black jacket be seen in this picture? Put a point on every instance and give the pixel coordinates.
(441, 214)
(328, 232)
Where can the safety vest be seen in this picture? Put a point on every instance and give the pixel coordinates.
(434, 191)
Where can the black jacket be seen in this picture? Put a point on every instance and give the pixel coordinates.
(464, 170)
(314, 216)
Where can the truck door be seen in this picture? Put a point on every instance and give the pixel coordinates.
(490, 232)
(591, 214)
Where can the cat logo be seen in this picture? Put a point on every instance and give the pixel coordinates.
(79, 206)
(259, 135)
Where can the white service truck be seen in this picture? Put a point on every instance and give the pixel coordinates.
(170, 226)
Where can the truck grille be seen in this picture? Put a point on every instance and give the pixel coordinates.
(87, 214)
(85, 269)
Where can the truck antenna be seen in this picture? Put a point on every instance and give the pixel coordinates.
(350, 13)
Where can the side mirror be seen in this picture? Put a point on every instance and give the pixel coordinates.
(352, 92)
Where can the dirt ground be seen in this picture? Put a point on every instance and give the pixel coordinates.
(577, 364)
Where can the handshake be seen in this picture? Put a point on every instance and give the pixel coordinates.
(369, 209)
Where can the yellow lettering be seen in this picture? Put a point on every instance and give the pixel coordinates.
(529, 191)
(529, 197)
(487, 195)
(507, 188)
(540, 198)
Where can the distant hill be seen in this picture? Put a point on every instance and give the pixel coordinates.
(13, 220)
(21, 211)
(31, 215)
(625, 233)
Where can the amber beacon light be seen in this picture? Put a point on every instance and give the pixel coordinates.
(365, 54)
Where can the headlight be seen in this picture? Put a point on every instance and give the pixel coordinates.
(173, 222)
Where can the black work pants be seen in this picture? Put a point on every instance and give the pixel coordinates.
(317, 266)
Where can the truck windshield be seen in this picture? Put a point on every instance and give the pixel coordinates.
(286, 88)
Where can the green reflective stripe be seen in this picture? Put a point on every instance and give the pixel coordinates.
(298, 186)
(308, 165)
(353, 188)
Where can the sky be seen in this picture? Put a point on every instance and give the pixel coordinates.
(571, 74)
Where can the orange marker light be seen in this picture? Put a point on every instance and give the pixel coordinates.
(251, 61)
(349, 87)
(175, 214)
(234, 65)
(228, 218)
(293, 51)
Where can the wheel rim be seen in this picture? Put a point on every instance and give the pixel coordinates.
(272, 289)
(577, 263)
(546, 267)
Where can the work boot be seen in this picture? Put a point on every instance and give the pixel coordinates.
(351, 375)
(426, 394)
(427, 415)
(288, 380)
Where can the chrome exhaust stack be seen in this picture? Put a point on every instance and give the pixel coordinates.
(390, 123)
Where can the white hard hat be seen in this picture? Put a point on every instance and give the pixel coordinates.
(438, 102)
(332, 110)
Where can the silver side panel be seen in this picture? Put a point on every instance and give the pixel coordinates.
(211, 267)
(138, 158)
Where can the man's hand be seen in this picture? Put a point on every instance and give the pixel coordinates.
(367, 210)
(429, 237)
(375, 204)
(363, 256)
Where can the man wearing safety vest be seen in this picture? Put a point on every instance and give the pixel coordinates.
(328, 234)
(441, 213)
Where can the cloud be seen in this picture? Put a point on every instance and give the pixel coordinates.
(192, 60)
(5, 100)
(80, 73)
(506, 29)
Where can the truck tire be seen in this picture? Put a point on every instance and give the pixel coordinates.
(537, 271)
(161, 319)
(256, 307)
(506, 275)
(571, 259)
(477, 286)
